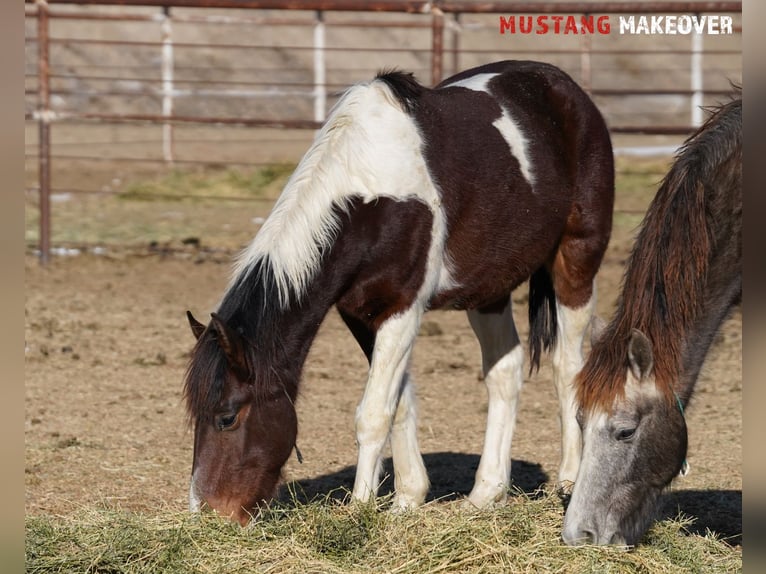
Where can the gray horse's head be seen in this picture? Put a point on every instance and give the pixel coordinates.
(633, 446)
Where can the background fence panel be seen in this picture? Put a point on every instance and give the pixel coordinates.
(118, 90)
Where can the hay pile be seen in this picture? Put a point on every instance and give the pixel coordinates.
(329, 537)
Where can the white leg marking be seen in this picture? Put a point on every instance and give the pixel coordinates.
(502, 359)
(375, 413)
(410, 476)
(567, 362)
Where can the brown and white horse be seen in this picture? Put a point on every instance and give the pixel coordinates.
(409, 199)
(682, 279)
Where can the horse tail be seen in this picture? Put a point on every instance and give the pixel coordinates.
(543, 323)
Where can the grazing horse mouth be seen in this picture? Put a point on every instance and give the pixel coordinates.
(225, 507)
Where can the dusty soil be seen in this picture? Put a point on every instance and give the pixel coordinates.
(107, 344)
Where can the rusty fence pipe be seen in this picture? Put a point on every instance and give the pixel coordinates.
(437, 46)
(422, 7)
(44, 117)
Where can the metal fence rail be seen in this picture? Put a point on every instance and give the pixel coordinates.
(169, 86)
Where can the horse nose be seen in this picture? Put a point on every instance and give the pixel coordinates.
(577, 536)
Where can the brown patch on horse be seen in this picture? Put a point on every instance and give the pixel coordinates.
(669, 270)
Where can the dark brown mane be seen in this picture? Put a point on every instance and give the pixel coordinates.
(666, 275)
(249, 306)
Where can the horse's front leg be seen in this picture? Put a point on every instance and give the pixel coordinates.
(386, 386)
(410, 475)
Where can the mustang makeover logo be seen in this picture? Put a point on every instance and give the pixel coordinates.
(627, 24)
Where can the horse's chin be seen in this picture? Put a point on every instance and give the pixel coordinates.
(632, 530)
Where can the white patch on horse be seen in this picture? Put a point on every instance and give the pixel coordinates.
(517, 142)
(477, 83)
(370, 148)
(509, 129)
(446, 279)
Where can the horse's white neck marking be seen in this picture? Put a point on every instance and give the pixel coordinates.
(504, 124)
(369, 148)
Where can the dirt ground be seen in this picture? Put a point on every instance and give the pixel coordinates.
(106, 347)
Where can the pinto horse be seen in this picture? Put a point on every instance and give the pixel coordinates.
(682, 279)
(409, 199)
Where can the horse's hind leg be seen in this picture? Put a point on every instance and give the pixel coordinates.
(573, 271)
(502, 363)
(567, 362)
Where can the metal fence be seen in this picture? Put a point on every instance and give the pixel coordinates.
(175, 63)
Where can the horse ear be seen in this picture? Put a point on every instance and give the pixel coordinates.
(597, 327)
(196, 327)
(640, 355)
(232, 344)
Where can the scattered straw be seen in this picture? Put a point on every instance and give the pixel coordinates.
(330, 537)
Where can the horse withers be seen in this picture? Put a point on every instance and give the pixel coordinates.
(409, 199)
(682, 279)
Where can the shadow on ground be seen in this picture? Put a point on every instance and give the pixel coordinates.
(719, 511)
(451, 476)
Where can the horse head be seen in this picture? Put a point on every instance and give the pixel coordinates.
(631, 452)
(244, 423)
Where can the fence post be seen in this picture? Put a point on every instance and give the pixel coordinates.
(456, 44)
(44, 118)
(320, 76)
(167, 85)
(696, 80)
(437, 46)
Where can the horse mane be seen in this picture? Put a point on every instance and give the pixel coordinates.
(404, 87)
(663, 286)
(250, 307)
(304, 221)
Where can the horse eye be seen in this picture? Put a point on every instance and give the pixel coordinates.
(625, 434)
(225, 422)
